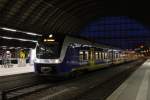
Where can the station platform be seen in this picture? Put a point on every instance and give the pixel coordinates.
(136, 87)
(16, 69)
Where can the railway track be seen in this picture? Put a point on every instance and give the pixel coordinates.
(15, 93)
(13, 87)
(35, 86)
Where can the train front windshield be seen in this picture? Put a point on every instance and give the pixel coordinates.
(48, 51)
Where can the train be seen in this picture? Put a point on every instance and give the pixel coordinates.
(63, 55)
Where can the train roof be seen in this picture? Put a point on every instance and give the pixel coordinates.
(80, 39)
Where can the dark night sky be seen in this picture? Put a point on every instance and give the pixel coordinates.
(119, 31)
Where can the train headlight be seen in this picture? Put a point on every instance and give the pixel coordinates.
(57, 61)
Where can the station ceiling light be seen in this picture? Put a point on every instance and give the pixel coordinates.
(20, 39)
(14, 30)
(30, 33)
(18, 47)
(9, 38)
(11, 47)
(9, 29)
(3, 46)
(7, 47)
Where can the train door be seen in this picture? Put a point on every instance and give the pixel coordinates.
(81, 58)
(96, 55)
(103, 56)
(106, 56)
(100, 56)
(91, 56)
(86, 55)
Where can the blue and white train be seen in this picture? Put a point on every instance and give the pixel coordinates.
(59, 55)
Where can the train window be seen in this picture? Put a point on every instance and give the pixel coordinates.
(96, 55)
(48, 51)
(103, 55)
(81, 56)
(100, 55)
(89, 55)
(110, 55)
(116, 55)
(106, 55)
(86, 55)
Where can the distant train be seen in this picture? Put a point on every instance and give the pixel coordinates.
(60, 55)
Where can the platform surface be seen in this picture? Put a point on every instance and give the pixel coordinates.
(16, 69)
(136, 87)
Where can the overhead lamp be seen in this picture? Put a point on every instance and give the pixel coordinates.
(7, 38)
(9, 29)
(11, 47)
(34, 41)
(30, 33)
(50, 36)
(4, 46)
(20, 39)
(25, 40)
(14, 30)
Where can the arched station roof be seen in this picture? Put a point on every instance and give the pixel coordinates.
(118, 31)
(62, 16)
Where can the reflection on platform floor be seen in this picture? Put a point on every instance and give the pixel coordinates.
(16, 69)
(136, 87)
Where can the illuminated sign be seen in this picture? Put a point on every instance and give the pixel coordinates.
(49, 40)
